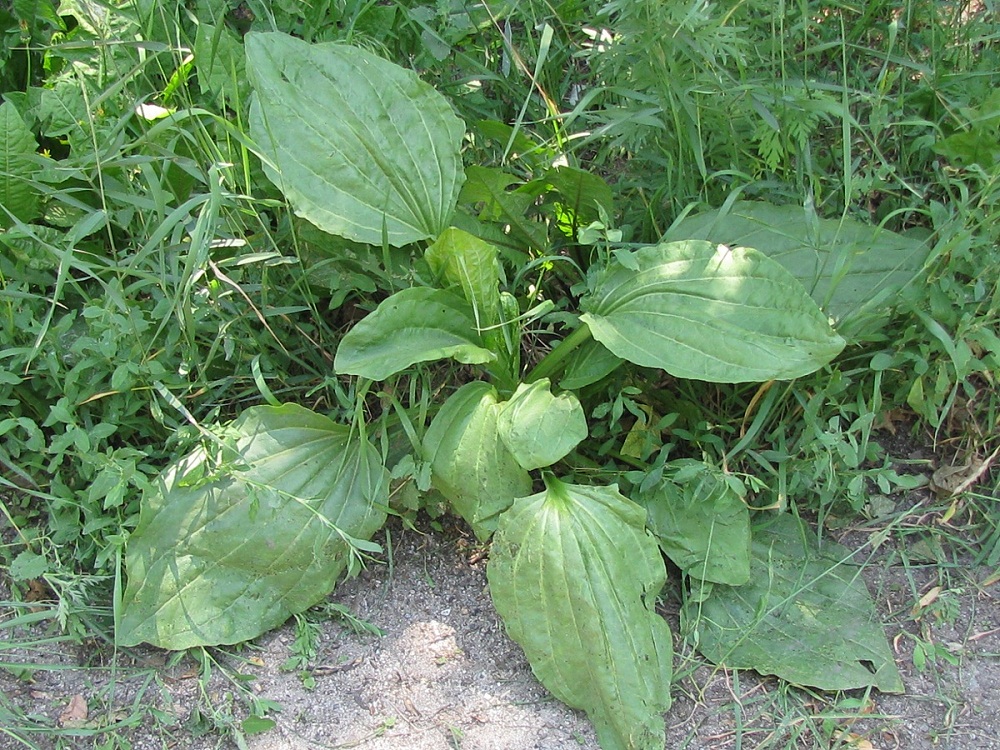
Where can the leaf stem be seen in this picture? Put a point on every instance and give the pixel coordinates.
(556, 359)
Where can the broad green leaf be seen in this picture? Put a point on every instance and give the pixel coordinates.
(574, 575)
(471, 264)
(975, 147)
(709, 312)
(805, 616)
(257, 724)
(539, 428)
(848, 267)
(701, 523)
(979, 142)
(489, 187)
(582, 195)
(17, 147)
(414, 325)
(229, 546)
(359, 146)
(34, 245)
(470, 465)
(28, 565)
(62, 110)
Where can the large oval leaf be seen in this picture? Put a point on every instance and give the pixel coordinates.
(709, 312)
(470, 465)
(574, 575)
(359, 146)
(415, 325)
(848, 267)
(229, 546)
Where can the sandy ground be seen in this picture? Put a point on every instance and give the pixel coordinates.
(444, 676)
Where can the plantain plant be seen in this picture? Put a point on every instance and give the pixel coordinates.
(260, 523)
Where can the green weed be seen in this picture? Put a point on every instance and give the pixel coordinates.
(155, 282)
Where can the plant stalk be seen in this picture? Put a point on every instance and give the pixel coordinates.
(556, 359)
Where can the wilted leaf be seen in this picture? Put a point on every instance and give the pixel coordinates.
(415, 325)
(805, 616)
(709, 312)
(948, 481)
(574, 575)
(471, 466)
(39, 591)
(229, 546)
(360, 146)
(74, 716)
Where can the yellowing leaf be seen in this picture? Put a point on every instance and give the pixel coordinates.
(74, 716)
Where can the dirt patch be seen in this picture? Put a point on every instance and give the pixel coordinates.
(445, 676)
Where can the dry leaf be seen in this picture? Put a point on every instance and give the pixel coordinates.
(75, 713)
(855, 741)
(927, 599)
(39, 591)
(953, 480)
